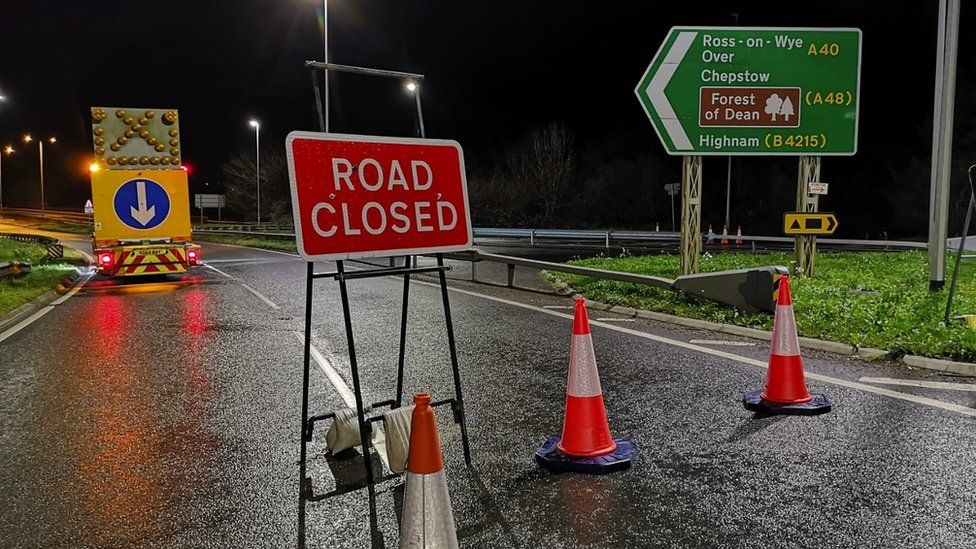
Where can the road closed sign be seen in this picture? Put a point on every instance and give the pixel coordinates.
(367, 196)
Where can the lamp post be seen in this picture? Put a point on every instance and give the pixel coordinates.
(325, 41)
(8, 150)
(40, 157)
(414, 88)
(257, 161)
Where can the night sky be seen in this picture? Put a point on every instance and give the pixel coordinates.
(493, 69)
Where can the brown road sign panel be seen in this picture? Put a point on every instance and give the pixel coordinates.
(800, 223)
(756, 107)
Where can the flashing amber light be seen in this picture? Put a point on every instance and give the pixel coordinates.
(94, 167)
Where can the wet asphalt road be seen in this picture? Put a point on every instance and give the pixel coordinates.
(165, 413)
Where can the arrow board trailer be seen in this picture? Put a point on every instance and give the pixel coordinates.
(357, 196)
(755, 91)
(142, 222)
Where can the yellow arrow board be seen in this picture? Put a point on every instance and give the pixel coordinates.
(809, 223)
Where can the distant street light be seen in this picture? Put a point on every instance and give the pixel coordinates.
(411, 86)
(8, 150)
(257, 160)
(40, 156)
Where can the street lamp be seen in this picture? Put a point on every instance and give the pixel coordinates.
(414, 88)
(257, 160)
(8, 150)
(40, 156)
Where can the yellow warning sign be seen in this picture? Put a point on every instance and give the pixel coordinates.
(137, 205)
(130, 138)
(815, 223)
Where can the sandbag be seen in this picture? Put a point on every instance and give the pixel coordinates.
(396, 423)
(344, 431)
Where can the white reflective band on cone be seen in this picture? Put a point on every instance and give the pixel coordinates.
(344, 431)
(427, 518)
(785, 342)
(584, 380)
(396, 424)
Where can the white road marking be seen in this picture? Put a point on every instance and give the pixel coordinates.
(26, 322)
(258, 294)
(42, 311)
(610, 319)
(261, 296)
(965, 410)
(348, 398)
(558, 306)
(919, 383)
(218, 271)
(723, 342)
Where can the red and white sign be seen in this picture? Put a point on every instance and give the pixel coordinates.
(367, 196)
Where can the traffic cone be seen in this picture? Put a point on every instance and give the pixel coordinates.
(786, 388)
(586, 445)
(738, 235)
(725, 234)
(711, 236)
(427, 519)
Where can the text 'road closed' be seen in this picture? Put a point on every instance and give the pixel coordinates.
(363, 196)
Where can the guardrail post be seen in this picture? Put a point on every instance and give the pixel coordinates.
(608, 240)
(474, 271)
(532, 237)
(511, 275)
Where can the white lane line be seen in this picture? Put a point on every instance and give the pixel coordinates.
(965, 410)
(218, 271)
(558, 306)
(43, 310)
(261, 296)
(330, 372)
(723, 342)
(919, 383)
(258, 294)
(26, 322)
(610, 319)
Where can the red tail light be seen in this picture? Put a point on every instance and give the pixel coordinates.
(105, 259)
(191, 255)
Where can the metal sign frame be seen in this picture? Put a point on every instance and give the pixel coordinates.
(342, 276)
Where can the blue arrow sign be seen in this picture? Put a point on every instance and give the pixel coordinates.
(141, 203)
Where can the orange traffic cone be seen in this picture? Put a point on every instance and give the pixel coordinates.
(711, 236)
(786, 388)
(725, 234)
(738, 235)
(586, 444)
(427, 519)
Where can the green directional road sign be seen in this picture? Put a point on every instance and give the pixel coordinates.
(741, 91)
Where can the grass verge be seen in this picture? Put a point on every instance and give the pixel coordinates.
(277, 244)
(66, 228)
(14, 292)
(868, 299)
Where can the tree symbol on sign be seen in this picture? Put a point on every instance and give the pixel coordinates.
(787, 109)
(773, 105)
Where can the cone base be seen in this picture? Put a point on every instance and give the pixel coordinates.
(753, 401)
(549, 456)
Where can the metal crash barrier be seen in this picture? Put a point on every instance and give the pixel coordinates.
(749, 290)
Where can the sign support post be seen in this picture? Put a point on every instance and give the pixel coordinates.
(691, 244)
(805, 251)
